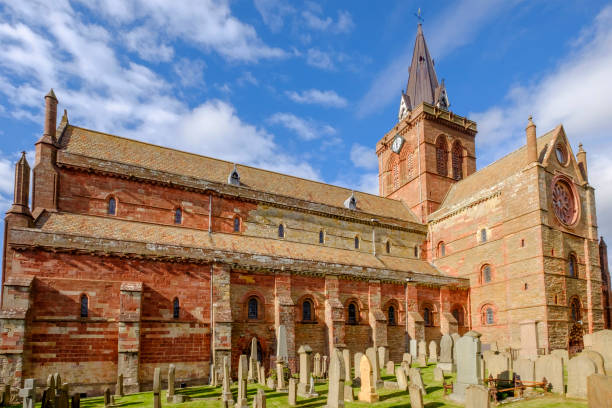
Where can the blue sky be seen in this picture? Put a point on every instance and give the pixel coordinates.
(305, 88)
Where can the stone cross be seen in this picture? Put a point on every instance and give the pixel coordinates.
(305, 370)
(119, 386)
(28, 393)
(241, 401)
(433, 352)
(292, 392)
(468, 364)
(317, 365)
(107, 397)
(373, 358)
(416, 396)
(281, 344)
(252, 361)
(157, 388)
(367, 393)
(357, 359)
(226, 392)
(171, 375)
(335, 394)
(346, 360)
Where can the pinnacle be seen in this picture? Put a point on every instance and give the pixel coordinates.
(51, 94)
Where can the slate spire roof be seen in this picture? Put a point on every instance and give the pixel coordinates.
(423, 83)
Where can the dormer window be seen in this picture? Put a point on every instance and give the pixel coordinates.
(234, 177)
(351, 202)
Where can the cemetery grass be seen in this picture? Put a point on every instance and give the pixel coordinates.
(206, 396)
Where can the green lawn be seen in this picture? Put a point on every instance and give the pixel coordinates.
(210, 397)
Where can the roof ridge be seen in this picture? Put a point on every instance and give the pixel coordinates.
(349, 190)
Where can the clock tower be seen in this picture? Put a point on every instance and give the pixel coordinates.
(430, 148)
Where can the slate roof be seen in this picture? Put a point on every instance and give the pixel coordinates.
(422, 80)
(104, 146)
(485, 181)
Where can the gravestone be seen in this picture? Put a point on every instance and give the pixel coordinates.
(317, 365)
(407, 357)
(349, 395)
(260, 399)
(390, 368)
(156, 388)
(433, 352)
(561, 353)
(346, 361)
(119, 386)
(304, 353)
(579, 369)
(75, 400)
(335, 394)
(416, 396)
(252, 374)
(324, 367)
(241, 400)
(28, 393)
(405, 366)
(438, 374)
(599, 391)
(551, 367)
(383, 355)
(311, 388)
(413, 348)
(455, 337)
(446, 362)
(525, 368)
(602, 343)
(107, 397)
(587, 341)
(171, 375)
(261, 374)
(357, 359)
(51, 388)
(422, 349)
(372, 356)
(292, 391)
(367, 393)
(477, 396)
(213, 376)
(280, 377)
(281, 344)
(271, 384)
(597, 359)
(402, 381)
(468, 364)
(422, 360)
(226, 392)
(64, 397)
(498, 365)
(417, 379)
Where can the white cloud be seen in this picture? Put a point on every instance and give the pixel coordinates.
(364, 157)
(247, 78)
(576, 94)
(319, 59)
(190, 72)
(315, 21)
(147, 45)
(318, 97)
(306, 129)
(273, 12)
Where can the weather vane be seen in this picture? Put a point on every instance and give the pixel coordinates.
(418, 15)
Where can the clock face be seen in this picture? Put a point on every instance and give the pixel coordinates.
(397, 144)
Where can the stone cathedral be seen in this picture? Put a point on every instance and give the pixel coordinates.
(129, 256)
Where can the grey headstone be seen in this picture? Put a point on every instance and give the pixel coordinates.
(525, 368)
(304, 353)
(335, 394)
(433, 352)
(293, 391)
(579, 369)
(390, 367)
(372, 355)
(281, 344)
(468, 364)
(349, 395)
(241, 400)
(417, 379)
(446, 349)
(438, 374)
(402, 381)
(551, 367)
(28, 393)
(317, 366)
(226, 392)
(476, 396)
(599, 391)
(119, 386)
(346, 363)
(416, 396)
(171, 376)
(107, 397)
(260, 399)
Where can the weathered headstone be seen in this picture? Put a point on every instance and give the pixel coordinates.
(317, 366)
(579, 369)
(281, 344)
(599, 391)
(64, 396)
(433, 352)
(280, 377)
(416, 378)
(252, 373)
(75, 400)
(407, 357)
(311, 388)
(551, 367)
(446, 362)
(402, 381)
(261, 374)
(107, 397)
(5, 394)
(119, 386)
(438, 374)
(271, 384)
(293, 391)
(373, 358)
(390, 367)
(413, 348)
(324, 367)
(602, 343)
(455, 337)
(498, 365)
(357, 359)
(51, 388)
(597, 359)
(422, 360)
(335, 394)
(560, 353)
(367, 393)
(525, 368)
(383, 355)
(28, 393)
(346, 362)
(477, 396)
(156, 388)
(213, 376)
(304, 353)
(171, 376)
(226, 392)
(422, 350)
(241, 400)
(416, 396)
(349, 395)
(468, 364)
(260, 399)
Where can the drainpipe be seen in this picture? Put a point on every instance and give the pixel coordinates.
(210, 213)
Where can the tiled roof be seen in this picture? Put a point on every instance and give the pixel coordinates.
(485, 181)
(125, 230)
(112, 148)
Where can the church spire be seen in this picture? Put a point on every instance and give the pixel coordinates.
(423, 83)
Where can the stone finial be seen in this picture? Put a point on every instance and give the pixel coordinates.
(22, 187)
(532, 144)
(582, 161)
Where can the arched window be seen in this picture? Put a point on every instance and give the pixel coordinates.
(84, 306)
(573, 266)
(490, 316)
(112, 206)
(391, 316)
(321, 237)
(388, 247)
(176, 308)
(281, 231)
(236, 224)
(458, 315)
(356, 242)
(307, 311)
(253, 307)
(486, 274)
(457, 161)
(487, 315)
(178, 216)
(441, 156)
(441, 249)
(352, 313)
(427, 316)
(575, 310)
(483, 235)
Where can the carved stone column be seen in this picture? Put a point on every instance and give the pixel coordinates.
(128, 344)
(334, 314)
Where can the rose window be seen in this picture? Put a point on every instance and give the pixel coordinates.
(563, 202)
